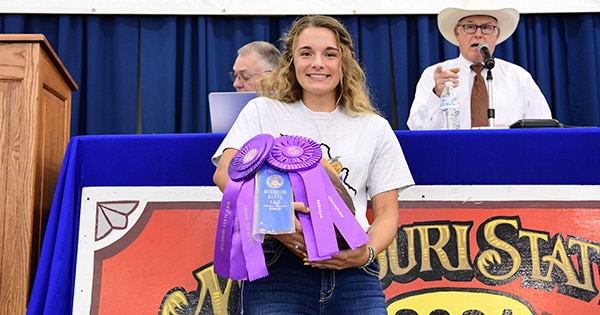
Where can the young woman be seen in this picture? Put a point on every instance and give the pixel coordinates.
(319, 91)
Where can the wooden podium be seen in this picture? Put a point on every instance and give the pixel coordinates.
(35, 114)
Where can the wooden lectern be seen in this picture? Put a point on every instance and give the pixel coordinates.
(35, 114)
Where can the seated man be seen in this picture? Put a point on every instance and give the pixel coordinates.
(254, 61)
(515, 95)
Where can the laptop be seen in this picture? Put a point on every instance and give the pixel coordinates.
(224, 108)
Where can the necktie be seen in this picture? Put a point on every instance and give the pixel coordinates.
(479, 99)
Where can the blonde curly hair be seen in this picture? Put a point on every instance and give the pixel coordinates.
(353, 96)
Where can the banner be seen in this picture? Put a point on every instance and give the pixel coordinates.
(459, 249)
(274, 7)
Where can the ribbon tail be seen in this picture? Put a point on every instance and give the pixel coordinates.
(254, 259)
(309, 238)
(305, 221)
(225, 229)
(238, 263)
(343, 218)
(320, 212)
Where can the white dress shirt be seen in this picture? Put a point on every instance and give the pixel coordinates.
(515, 95)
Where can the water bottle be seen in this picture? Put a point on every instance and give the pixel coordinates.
(449, 106)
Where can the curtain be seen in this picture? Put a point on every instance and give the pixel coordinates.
(152, 74)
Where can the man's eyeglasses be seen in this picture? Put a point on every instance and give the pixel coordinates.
(486, 29)
(243, 75)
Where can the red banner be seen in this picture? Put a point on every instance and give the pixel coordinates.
(498, 257)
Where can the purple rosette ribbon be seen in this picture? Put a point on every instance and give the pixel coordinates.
(300, 157)
(237, 255)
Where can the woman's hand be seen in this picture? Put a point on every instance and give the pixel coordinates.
(347, 258)
(295, 241)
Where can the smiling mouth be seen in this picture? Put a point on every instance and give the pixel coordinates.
(318, 76)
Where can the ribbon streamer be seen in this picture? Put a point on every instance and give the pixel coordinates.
(305, 221)
(301, 156)
(236, 255)
(343, 218)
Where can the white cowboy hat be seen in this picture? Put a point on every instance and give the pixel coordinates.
(507, 18)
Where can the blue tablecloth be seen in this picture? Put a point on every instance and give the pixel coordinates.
(462, 157)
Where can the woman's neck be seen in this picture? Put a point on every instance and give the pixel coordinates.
(320, 103)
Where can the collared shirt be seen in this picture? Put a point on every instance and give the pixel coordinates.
(515, 95)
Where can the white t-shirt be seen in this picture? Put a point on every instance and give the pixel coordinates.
(515, 95)
(365, 146)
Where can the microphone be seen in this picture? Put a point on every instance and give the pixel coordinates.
(488, 60)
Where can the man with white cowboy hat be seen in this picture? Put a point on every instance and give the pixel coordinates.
(515, 94)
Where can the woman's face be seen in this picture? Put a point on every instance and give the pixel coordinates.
(318, 62)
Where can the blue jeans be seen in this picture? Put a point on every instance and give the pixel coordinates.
(293, 288)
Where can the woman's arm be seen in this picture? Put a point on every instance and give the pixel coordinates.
(221, 176)
(385, 220)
